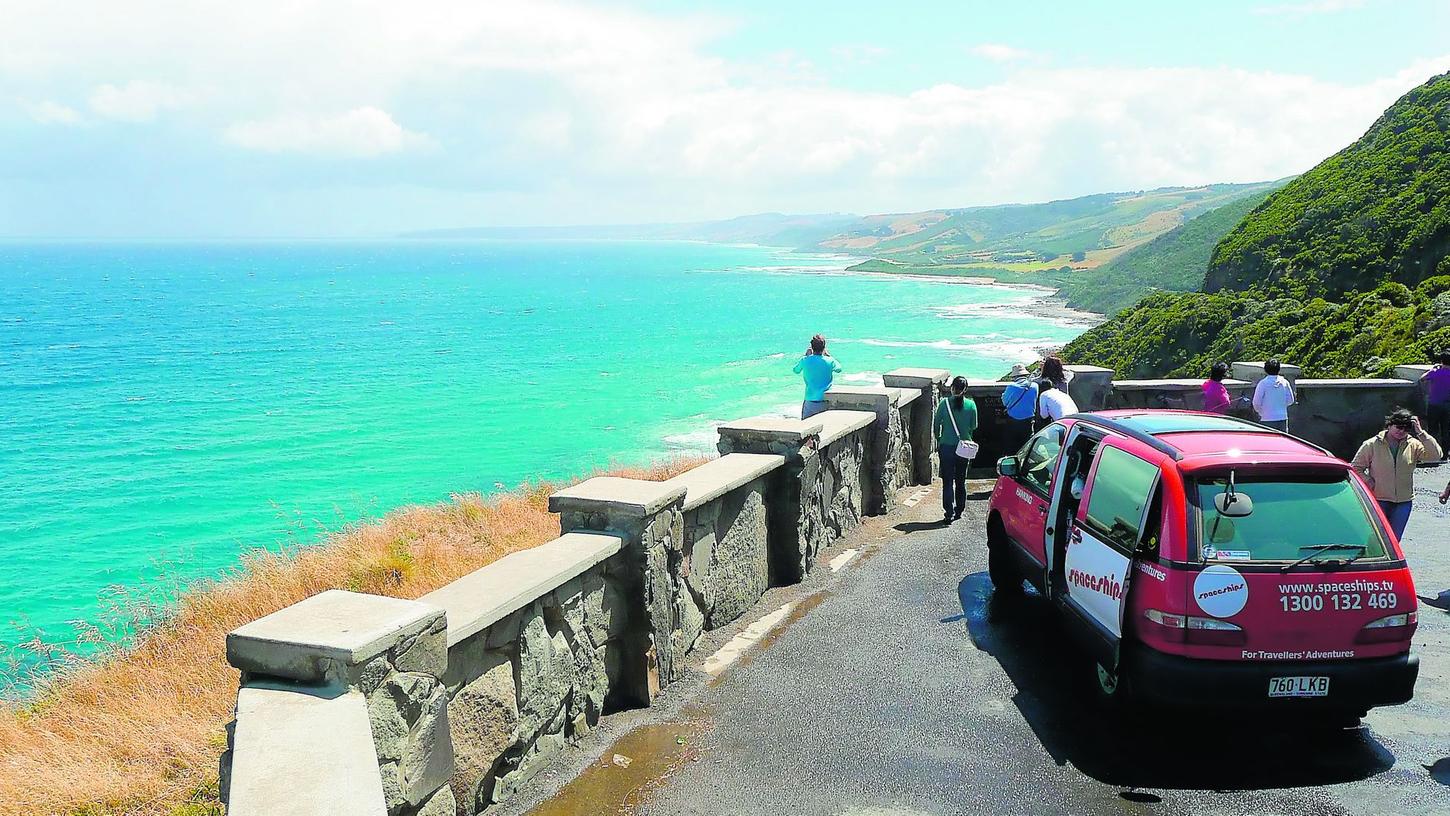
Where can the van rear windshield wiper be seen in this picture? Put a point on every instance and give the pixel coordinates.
(1320, 549)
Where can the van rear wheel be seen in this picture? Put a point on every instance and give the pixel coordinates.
(1005, 577)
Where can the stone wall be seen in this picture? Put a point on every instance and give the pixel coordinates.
(359, 704)
(522, 688)
(450, 703)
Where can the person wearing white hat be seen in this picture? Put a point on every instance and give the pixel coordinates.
(1019, 403)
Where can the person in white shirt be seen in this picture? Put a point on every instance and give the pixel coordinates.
(1052, 403)
(1272, 398)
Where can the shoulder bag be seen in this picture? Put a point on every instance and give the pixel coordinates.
(966, 448)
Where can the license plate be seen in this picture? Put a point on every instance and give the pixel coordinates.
(1298, 686)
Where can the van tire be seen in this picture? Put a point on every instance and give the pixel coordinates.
(1006, 580)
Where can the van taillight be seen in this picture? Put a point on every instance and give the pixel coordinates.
(1188, 629)
(1212, 631)
(1388, 629)
(1168, 619)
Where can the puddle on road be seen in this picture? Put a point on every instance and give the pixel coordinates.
(654, 753)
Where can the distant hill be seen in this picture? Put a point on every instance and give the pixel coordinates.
(1079, 233)
(1317, 274)
(1378, 210)
(1055, 237)
(1173, 262)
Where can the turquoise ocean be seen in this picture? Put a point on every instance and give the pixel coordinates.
(168, 406)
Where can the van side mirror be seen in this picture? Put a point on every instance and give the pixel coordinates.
(1007, 466)
(1233, 505)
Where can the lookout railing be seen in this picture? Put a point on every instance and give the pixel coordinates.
(359, 704)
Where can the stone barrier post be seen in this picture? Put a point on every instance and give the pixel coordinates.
(795, 496)
(923, 449)
(1413, 374)
(395, 652)
(883, 452)
(649, 518)
(1253, 371)
(1090, 386)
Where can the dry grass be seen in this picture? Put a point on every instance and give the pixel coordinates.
(140, 731)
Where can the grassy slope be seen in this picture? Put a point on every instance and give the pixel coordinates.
(1375, 211)
(141, 730)
(1174, 261)
(1316, 274)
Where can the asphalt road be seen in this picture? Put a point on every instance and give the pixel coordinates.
(908, 688)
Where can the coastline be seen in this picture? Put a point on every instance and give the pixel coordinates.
(261, 504)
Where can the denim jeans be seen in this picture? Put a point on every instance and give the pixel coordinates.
(810, 408)
(1399, 515)
(1276, 424)
(953, 480)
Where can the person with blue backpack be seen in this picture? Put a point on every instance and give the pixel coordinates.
(1019, 401)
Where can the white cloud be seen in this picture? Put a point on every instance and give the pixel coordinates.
(997, 52)
(136, 101)
(47, 112)
(550, 101)
(359, 133)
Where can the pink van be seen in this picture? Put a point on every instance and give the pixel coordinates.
(1206, 561)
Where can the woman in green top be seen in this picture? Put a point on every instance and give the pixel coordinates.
(956, 419)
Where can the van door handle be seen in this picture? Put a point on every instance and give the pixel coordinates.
(1076, 534)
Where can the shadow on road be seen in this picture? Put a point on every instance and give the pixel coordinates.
(1175, 749)
(918, 526)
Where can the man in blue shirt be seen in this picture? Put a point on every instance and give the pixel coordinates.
(817, 368)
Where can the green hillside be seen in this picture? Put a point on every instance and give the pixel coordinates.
(1317, 274)
(1376, 211)
(1174, 262)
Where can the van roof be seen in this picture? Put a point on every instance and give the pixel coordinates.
(1198, 440)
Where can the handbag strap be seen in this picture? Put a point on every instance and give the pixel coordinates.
(953, 417)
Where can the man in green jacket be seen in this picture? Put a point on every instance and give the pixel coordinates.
(1388, 459)
(955, 420)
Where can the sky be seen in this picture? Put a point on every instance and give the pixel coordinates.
(299, 118)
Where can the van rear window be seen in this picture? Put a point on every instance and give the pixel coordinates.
(1293, 516)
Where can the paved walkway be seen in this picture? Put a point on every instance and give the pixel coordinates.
(902, 687)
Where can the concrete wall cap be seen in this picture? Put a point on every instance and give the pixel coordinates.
(841, 423)
(859, 391)
(296, 754)
(1352, 383)
(1087, 369)
(337, 625)
(915, 377)
(908, 395)
(720, 476)
(780, 428)
(611, 493)
(1254, 370)
(1185, 383)
(1412, 372)
(489, 594)
(874, 398)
